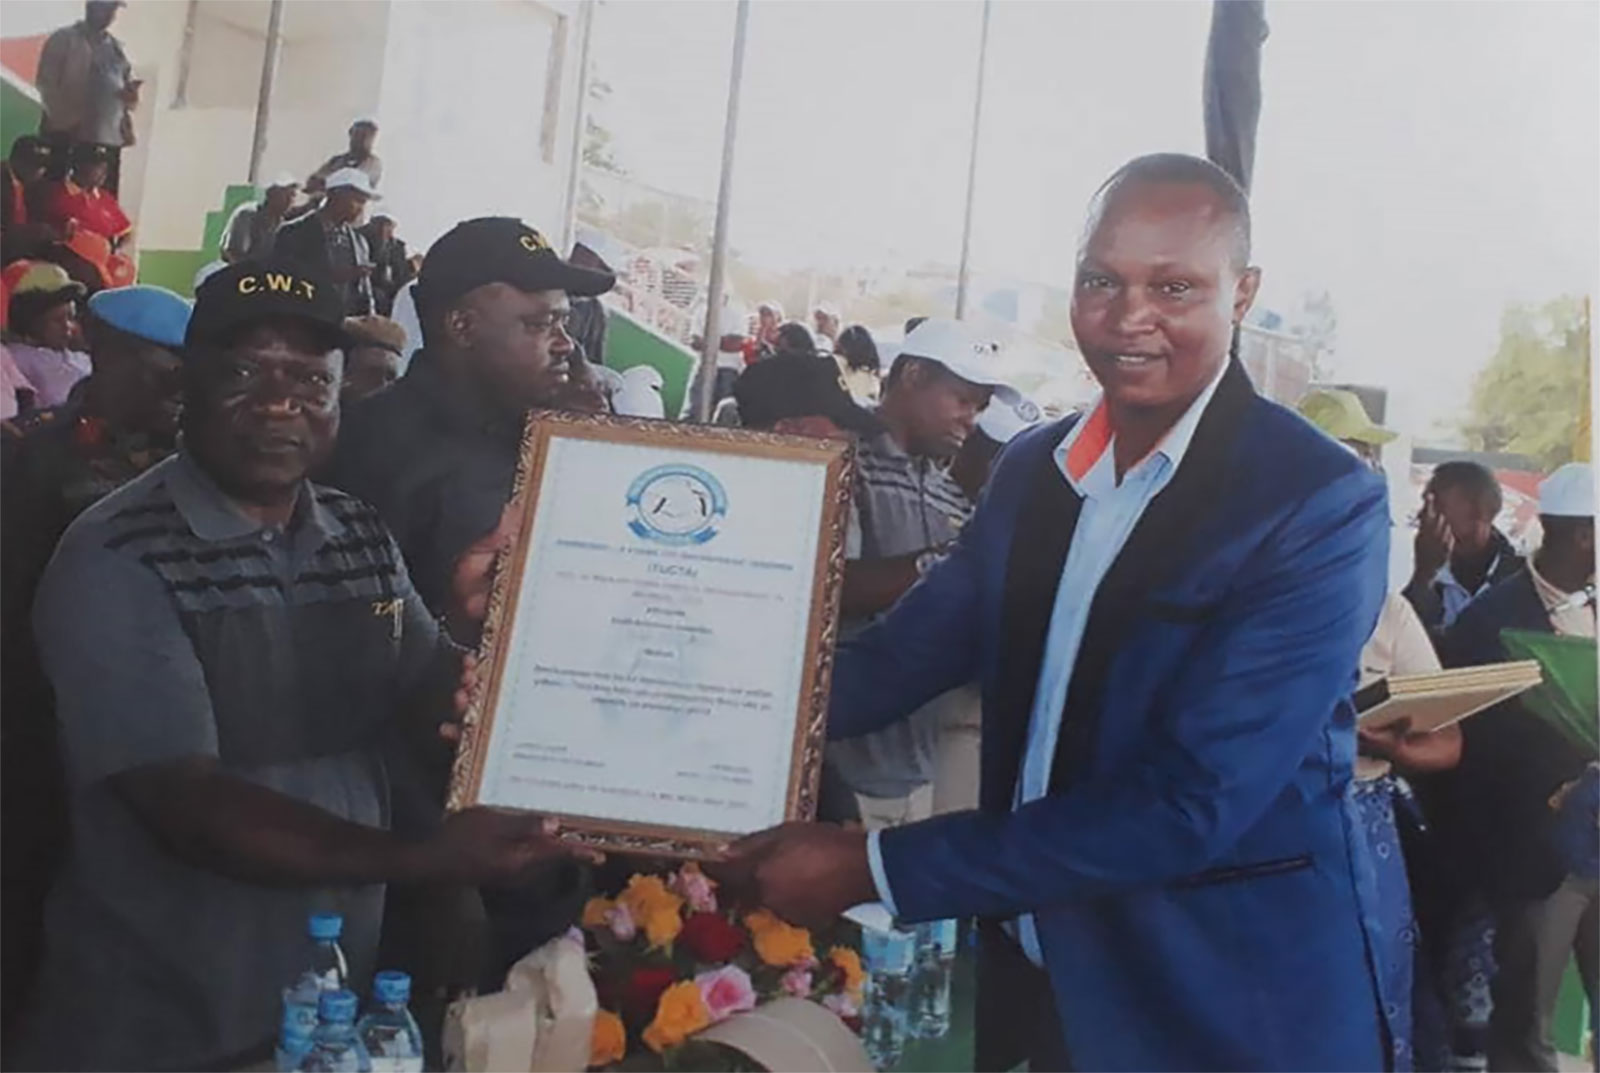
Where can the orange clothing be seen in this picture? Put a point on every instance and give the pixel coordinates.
(94, 210)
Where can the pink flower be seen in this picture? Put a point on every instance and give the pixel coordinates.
(841, 1006)
(621, 923)
(797, 982)
(696, 888)
(726, 991)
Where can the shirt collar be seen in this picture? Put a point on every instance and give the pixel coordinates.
(1447, 578)
(212, 514)
(1088, 442)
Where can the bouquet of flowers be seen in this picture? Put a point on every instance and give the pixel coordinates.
(668, 960)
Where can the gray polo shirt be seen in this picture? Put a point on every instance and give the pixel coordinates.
(172, 625)
(903, 505)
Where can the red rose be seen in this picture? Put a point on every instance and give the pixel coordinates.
(711, 938)
(644, 990)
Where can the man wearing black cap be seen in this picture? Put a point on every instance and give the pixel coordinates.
(800, 394)
(228, 642)
(436, 454)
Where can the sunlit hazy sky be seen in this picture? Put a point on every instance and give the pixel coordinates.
(1424, 162)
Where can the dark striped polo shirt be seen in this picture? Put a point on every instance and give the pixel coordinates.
(903, 505)
(171, 625)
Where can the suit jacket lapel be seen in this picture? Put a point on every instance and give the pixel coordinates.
(1045, 524)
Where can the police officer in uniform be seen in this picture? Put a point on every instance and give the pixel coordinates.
(118, 422)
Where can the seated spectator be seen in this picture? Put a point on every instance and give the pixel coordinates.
(374, 357)
(764, 334)
(81, 201)
(391, 264)
(826, 322)
(22, 233)
(794, 338)
(800, 394)
(859, 363)
(363, 136)
(253, 229)
(43, 321)
(330, 243)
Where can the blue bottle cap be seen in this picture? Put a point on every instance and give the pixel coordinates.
(326, 927)
(337, 1005)
(391, 988)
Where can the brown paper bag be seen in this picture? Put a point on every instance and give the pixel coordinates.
(541, 1022)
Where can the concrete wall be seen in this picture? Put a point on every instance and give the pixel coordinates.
(329, 71)
(478, 105)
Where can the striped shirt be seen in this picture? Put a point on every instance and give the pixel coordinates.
(172, 625)
(903, 505)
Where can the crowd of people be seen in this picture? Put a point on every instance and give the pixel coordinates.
(1093, 687)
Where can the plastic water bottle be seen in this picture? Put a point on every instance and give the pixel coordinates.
(335, 1047)
(324, 969)
(388, 1031)
(885, 1013)
(327, 964)
(930, 984)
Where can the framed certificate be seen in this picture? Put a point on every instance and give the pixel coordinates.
(655, 661)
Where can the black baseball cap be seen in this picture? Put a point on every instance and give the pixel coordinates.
(250, 291)
(798, 385)
(500, 249)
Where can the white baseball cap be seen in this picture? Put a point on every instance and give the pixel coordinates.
(1001, 421)
(965, 351)
(1568, 492)
(355, 179)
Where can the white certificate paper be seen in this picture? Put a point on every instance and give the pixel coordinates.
(655, 656)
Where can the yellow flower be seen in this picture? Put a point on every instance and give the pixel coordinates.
(779, 944)
(647, 895)
(595, 910)
(662, 926)
(680, 1014)
(850, 962)
(608, 1041)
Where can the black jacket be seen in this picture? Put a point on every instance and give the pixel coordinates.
(1491, 813)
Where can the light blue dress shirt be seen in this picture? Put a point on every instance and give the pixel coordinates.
(1109, 513)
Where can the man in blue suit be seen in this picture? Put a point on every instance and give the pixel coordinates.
(1164, 602)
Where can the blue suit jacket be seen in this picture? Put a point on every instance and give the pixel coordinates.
(1202, 892)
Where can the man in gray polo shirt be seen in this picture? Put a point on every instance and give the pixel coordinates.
(229, 645)
(907, 508)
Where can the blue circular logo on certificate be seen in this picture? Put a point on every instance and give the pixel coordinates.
(676, 504)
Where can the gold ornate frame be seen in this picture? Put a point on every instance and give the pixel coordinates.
(821, 633)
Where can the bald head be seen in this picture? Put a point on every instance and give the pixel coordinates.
(1231, 205)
